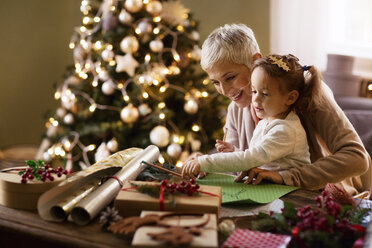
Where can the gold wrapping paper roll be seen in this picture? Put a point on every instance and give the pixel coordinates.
(90, 206)
(62, 209)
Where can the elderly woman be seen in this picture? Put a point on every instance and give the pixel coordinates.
(336, 151)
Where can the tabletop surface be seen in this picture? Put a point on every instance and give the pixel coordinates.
(19, 228)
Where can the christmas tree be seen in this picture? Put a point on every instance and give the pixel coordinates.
(136, 81)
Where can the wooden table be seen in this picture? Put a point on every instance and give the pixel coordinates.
(20, 228)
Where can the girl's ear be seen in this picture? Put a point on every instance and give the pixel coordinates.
(292, 97)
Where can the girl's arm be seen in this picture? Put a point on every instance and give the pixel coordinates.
(277, 143)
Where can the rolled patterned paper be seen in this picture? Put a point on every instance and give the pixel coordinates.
(118, 159)
(64, 194)
(91, 205)
(77, 186)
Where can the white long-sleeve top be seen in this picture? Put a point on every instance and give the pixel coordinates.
(276, 145)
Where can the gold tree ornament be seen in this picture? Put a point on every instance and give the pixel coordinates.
(279, 62)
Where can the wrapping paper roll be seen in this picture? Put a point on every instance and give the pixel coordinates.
(86, 197)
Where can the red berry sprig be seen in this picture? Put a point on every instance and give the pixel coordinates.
(184, 187)
(40, 171)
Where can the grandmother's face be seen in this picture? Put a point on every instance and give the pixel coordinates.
(233, 81)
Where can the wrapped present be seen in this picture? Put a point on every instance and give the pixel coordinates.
(23, 195)
(130, 201)
(174, 230)
(252, 239)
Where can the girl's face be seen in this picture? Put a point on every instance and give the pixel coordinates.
(268, 101)
(232, 80)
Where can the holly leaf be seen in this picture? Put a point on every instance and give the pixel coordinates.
(290, 212)
(41, 162)
(37, 177)
(31, 163)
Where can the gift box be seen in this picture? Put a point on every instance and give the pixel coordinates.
(206, 238)
(15, 194)
(130, 202)
(254, 239)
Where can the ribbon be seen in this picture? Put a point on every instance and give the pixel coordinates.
(207, 193)
(134, 187)
(161, 198)
(117, 179)
(13, 169)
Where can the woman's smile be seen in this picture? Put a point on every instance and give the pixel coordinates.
(237, 96)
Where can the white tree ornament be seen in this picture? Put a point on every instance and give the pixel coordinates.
(154, 7)
(174, 150)
(174, 13)
(159, 136)
(129, 114)
(102, 152)
(108, 87)
(129, 44)
(156, 45)
(125, 17)
(126, 63)
(133, 5)
(113, 145)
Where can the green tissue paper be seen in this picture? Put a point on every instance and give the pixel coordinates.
(233, 192)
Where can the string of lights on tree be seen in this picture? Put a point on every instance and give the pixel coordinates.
(136, 81)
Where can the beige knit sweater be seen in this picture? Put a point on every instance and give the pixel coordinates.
(337, 153)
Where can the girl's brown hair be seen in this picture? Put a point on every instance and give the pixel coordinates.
(292, 76)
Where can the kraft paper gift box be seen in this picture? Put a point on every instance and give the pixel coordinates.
(207, 238)
(14, 194)
(130, 202)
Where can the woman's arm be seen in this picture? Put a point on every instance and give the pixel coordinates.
(348, 161)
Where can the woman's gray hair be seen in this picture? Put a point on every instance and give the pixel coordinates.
(231, 43)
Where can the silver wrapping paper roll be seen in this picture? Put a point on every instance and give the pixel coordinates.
(91, 205)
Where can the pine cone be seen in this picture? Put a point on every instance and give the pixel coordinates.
(108, 216)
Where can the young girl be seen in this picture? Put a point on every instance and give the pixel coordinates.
(280, 88)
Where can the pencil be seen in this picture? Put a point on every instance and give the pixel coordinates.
(163, 169)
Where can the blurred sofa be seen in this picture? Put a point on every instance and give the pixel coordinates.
(359, 112)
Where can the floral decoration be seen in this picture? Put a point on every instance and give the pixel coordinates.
(328, 224)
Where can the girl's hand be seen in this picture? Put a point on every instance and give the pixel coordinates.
(202, 174)
(256, 175)
(194, 156)
(223, 146)
(190, 168)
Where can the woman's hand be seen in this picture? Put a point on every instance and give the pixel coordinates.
(190, 168)
(223, 146)
(256, 175)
